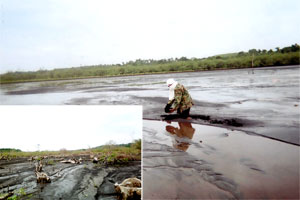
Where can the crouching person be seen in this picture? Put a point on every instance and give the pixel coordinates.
(179, 99)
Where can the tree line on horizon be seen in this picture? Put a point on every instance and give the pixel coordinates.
(252, 58)
(135, 144)
(9, 150)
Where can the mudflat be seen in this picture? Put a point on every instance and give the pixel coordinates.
(182, 160)
(264, 100)
(246, 138)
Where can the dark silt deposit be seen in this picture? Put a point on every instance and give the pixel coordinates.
(68, 181)
(262, 101)
(182, 160)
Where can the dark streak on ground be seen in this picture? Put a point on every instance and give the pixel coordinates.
(117, 90)
(35, 91)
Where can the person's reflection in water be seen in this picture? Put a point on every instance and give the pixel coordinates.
(185, 130)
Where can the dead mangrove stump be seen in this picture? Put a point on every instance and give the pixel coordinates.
(130, 188)
(41, 177)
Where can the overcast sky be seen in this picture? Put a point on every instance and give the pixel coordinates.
(69, 127)
(65, 33)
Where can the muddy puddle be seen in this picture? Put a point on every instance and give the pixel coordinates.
(68, 181)
(182, 160)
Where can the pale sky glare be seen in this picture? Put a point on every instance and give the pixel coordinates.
(69, 127)
(68, 33)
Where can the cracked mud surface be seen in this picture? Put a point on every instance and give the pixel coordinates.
(68, 181)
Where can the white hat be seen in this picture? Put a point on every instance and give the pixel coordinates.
(170, 81)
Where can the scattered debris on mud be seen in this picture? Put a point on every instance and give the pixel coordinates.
(62, 177)
(72, 160)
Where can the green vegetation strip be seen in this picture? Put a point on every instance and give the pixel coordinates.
(252, 58)
(109, 153)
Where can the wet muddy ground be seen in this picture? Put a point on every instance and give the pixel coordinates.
(243, 140)
(265, 100)
(68, 181)
(182, 160)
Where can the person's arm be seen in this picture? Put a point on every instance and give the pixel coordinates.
(171, 101)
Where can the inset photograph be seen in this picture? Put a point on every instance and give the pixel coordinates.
(70, 152)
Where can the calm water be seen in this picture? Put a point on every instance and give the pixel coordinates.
(190, 161)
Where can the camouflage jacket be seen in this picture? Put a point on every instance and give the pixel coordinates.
(182, 98)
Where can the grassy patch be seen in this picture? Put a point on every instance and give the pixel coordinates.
(50, 162)
(16, 195)
(109, 154)
(114, 154)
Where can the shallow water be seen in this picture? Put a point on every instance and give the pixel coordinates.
(184, 160)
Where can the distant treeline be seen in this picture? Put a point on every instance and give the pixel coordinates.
(9, 150)
(252, 58)
(116, 145)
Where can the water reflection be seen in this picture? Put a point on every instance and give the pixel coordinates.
(183, 134)
(181, 167)
(227, 165)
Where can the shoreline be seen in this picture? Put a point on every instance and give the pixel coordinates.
(139, 74)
